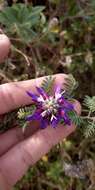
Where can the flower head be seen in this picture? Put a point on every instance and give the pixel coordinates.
(50, 109)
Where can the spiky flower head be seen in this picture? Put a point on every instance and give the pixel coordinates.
(50, 109)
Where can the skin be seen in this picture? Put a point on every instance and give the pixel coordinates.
(19, 151)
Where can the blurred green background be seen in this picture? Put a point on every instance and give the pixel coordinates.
(48, 37)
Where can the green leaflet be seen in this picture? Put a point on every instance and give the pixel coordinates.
(22, 113)
(48, 83)
(70, 84)
(89, 130)
(75, 118)
(89, 102)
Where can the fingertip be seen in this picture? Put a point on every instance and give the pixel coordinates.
(60, 79)
(4, 47)
(77, 107)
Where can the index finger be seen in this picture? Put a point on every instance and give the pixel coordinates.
(13, 95)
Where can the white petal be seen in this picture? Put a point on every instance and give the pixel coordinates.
(53, 117)
(63, 92)
(57, 96)
(43, 113)
(40, 99)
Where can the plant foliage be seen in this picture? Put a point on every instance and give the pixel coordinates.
(76, 119)
(89, 102)
(90, 130)
(22, 21)
(59, 40)
(48, 83)
(70, 85)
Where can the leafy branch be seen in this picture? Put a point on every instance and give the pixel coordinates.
(22, 21)
(89, 128)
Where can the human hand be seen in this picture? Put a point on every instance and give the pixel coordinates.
(19, 151)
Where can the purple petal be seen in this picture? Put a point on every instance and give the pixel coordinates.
(67, 120)
(35, 116)
(57, 92)
(68, 105)
(42, 92)
(62, 112)
(33, 96)
(65, 104)
(61, 100)
(65, 117)
(43, 124)
(55, 122)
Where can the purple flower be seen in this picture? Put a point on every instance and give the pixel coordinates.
(50, 110)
